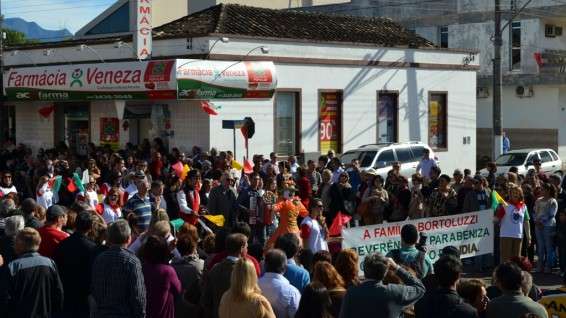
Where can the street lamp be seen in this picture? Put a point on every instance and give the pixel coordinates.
(222, 39)
(83, 47)
(121, 44)
(264, 50)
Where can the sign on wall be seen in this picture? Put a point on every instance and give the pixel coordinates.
(203, 79)
(330, 104)
(110, 132)
(103, 81)
(143, 29)
(471, 233)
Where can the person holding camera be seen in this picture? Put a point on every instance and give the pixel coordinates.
(412, 254)
(372, 298)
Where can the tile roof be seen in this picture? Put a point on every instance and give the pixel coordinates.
(233, 19)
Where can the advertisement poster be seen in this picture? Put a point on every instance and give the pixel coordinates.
(203, 79)
(330, 110)
(471, 233)
(110, 132)
(140, 80)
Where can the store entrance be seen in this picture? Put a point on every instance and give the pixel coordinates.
(72, 126)
(146, 121)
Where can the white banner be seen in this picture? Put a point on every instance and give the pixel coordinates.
(471, 233)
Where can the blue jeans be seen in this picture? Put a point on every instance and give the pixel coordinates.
(545, 246)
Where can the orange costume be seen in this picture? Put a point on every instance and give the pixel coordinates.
(289, 210)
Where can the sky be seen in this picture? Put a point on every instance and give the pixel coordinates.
(55, 14)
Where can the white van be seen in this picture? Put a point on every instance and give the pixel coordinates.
(381, 157)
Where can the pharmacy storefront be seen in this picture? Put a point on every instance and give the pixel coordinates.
(117, 103)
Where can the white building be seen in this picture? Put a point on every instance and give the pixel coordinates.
(378, 81)
(534, 94)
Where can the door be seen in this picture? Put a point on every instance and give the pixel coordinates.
(548, 165)
(387, 111)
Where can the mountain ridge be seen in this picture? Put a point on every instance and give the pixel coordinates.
(34, 31)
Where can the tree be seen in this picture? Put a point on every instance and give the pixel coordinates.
(14, 38)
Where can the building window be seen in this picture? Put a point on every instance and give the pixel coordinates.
(516, 45)
(330, 118)
(443, 35)
(438, 121)
(287, 123)
(387, 112)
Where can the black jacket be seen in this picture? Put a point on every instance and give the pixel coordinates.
(74, 257)
(444, 303)
(30, 288)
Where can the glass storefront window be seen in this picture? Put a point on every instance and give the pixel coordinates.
(437, 121)
(286, 120)
(387, 117)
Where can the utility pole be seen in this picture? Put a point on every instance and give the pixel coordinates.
(497, 43)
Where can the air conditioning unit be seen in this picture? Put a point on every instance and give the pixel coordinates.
(482, 92)
(549, 31)
(524, 91)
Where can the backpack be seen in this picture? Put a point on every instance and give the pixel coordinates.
(417, 264)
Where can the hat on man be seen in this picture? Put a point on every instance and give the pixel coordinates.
(458, 172)
(54, 212)
(139, 175)
(371, 172)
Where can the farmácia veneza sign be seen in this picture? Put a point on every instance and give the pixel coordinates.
(124, 81)
(140, 80)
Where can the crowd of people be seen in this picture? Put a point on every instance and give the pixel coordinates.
(144, 231)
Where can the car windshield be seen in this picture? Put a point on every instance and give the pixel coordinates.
(365, 157)
(511, 159)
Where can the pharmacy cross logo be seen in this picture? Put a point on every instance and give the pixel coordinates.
(77, 77)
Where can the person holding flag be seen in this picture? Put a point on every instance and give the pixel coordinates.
(513, 218)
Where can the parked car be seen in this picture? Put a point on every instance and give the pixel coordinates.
(523, 160)
(381, 157)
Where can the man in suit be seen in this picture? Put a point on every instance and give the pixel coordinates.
(217, 281)
(513, 303)
(374, 299)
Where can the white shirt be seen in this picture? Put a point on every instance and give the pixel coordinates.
(336, 175)
(44, 197)
(6, 191)
(512, 222)
(92, 198)
(283, 296)
(316, 241)
(109, 215)
(424, 167)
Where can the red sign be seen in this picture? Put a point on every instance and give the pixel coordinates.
(330, 111)
(110, 132)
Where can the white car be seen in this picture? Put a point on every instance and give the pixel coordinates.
(523, 160)
(381, 157)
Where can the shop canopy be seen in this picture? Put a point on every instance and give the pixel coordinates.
(143, 80)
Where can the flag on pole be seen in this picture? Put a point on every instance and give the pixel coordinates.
(496, 200)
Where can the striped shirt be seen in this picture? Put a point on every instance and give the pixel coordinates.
(142, 209)
(117, 284)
